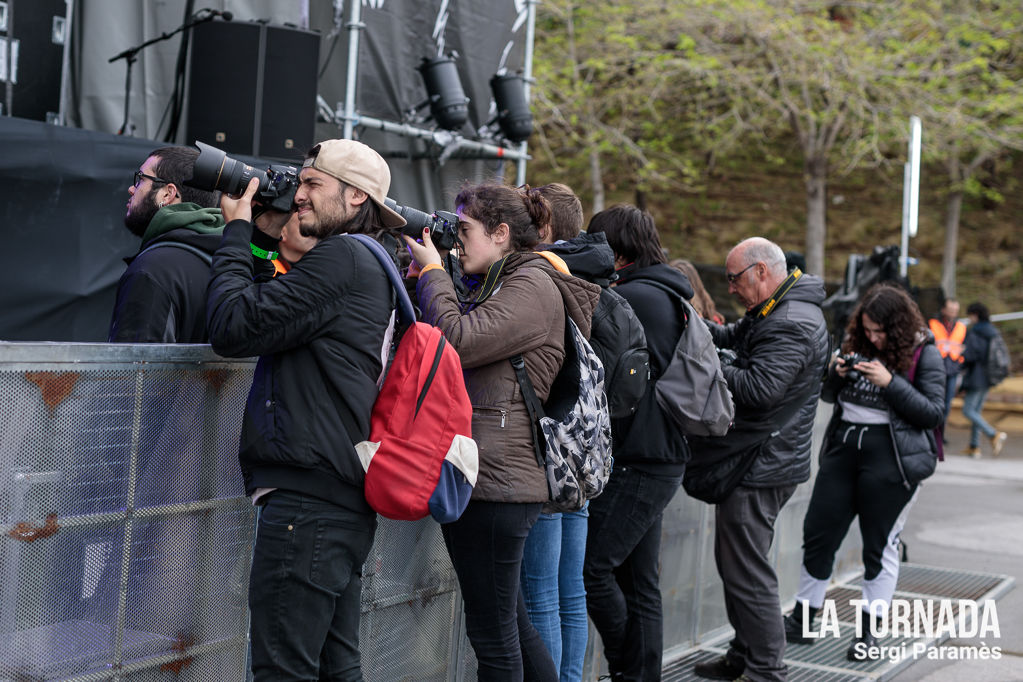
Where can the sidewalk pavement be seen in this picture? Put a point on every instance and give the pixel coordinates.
(969, 516)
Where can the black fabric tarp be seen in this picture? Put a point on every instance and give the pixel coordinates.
(63, 196)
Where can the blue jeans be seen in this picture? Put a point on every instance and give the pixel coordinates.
(973, 403)
(552, 586)
(621, 570)
(305, 588)
(485, 545)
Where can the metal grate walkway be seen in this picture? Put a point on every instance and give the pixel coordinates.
(825, 660)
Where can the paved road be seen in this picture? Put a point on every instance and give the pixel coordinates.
(969, 515)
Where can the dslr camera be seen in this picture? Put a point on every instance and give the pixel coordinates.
(443, 225)
(215, 170)
(851, 359)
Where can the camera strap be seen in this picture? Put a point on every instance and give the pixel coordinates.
(782, 289)
(490, 283)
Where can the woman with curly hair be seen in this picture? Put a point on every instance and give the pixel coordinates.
(888, 387)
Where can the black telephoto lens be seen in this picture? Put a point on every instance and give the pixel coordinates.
(214, 170)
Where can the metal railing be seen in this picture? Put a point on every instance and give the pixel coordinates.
(126, 538)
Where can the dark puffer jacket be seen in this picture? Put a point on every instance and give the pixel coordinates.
(525, 315)
(978, 339)
(914, 411)
(775, 383)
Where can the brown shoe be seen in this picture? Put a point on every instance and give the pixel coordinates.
(998, 442)
(972, 452)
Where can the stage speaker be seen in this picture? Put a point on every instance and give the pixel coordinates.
(252, 88)
(33, 58)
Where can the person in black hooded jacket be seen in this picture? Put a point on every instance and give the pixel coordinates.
(321, 333)
(161, 297)
(880, 443)
(620, 571)
(781, 348)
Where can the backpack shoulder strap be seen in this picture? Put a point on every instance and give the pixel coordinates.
(406, 312)
(179, 245)
(687, 308)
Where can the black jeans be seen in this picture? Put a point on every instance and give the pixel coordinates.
(858, 478)
(621, 570)
(485, 546)
(743, 532)
(305, 589)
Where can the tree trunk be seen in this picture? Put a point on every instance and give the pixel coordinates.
(816, 178)
(596, 180)
(948, 260)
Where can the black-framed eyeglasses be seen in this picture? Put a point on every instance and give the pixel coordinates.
(731, 278)
(139, 175)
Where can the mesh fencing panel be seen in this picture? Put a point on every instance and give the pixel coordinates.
(126, 538)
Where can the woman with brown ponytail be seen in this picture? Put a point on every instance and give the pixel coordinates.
(519, 308)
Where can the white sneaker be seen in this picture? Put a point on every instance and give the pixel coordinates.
(998, 442)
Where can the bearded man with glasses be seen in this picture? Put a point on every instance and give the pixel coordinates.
(161, 297)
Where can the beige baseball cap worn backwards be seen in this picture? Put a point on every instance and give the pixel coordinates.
(360, 166)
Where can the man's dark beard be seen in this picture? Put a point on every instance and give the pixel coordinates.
(138, 218)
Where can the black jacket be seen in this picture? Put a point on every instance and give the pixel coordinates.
(161, 297)
(648, 439)
(975, 350)
(775, 383)
(914, 411)
(319, 331)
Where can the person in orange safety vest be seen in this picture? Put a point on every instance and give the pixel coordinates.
(949, 334)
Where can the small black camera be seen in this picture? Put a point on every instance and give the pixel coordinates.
(215, 170)
(443, 225)
(850, 359)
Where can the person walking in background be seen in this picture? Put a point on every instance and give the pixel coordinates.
(621, 570)
(976, 382)
(949, 334)
(702, 301)
(519, 309)
(888, 389)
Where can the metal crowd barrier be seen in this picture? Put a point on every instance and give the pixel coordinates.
(126, 538)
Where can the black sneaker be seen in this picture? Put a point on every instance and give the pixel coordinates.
(859, 649)
(794, 625)
(719, 669)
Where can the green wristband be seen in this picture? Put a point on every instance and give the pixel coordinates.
(263, 253)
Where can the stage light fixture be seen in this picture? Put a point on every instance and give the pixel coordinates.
(513, 113)
(448, 103)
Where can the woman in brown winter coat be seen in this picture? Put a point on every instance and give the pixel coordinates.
(519, 308)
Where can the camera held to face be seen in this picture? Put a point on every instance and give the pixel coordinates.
(215, 170)
(443, 225)
(850, 359)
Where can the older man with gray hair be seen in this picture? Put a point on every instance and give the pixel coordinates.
(781, 347)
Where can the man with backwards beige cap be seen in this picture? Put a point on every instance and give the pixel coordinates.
(319, 331)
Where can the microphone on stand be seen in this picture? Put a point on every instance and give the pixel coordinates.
(226, 16)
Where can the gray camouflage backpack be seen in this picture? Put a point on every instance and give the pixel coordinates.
(572, 429)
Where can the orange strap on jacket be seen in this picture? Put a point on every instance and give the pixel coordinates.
(950, 345)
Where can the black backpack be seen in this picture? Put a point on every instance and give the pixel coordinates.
(999, 363)
(619, 341)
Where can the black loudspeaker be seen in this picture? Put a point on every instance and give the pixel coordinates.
(252, 88)
(33, 38)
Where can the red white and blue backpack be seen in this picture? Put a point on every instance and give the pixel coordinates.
(420, 457)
